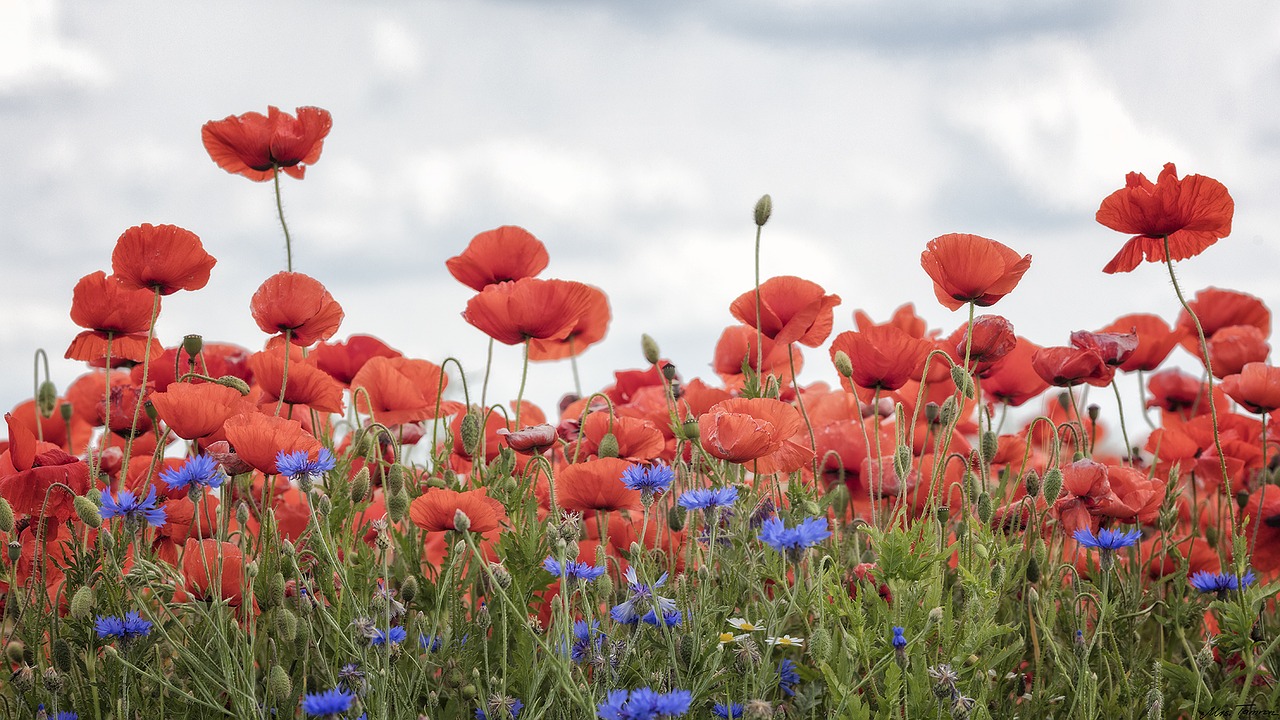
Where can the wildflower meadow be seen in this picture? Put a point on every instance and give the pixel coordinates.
(309, 524)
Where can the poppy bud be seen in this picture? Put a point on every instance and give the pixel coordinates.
(325, 506)
(13, 652)
(990, 444)
(470, 431)
(819, 644)
(843, 364)
(437, 483)
(649, 347)
(501, 575)
(62, 654)
(1033, 596)
(932, 412)
(947, 413)
(764, 209)
(1211, 536)
(1033, 483)
(286, 624)
(902, 461)
(279, 686)
(608, 447)
(395, 479)
(82, 603)
(274, 594)
(837, 498)
(409, 589)
(1033, 570)
(47, 398)
(398, 505)
(1052, 485)
(235, 383)
(461, 522)
(65, 409)
(86, 511)
(997, 576)
(984, 508)
(676, 518)
(6, 516)
(360, 485)
(963, 380)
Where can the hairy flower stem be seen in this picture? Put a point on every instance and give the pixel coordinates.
(813, 442)
(1128, 448)
(40, 355)
(288, 242)
(1208, 366)
(284, 380)
(759, 332)
(488, 365)
(524, 377)
(142, 386)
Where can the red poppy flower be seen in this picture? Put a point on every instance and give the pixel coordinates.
(992, 339)
(970, 268)
(214, 360)
(435, 510)
(883, 357)
(529, 308)
(1193, 213)
(257, 438)
(768, 433)
(212, 571)
(590, 329)
(1231, 348)
(532, 439)
(1067, 366)
(1155, 340)
(1114, 348)
(111, 310)
(737, 344)
(1217, 309)
(904, 318)
(1175, 391)
(1012, 379)
(197, 412)
(254, 145)
(86, 392)
(1257, 387)
(29, 469)
(638, 440)
(164, 258)
(343, 360)
(305, 383)
(500, 255)
(289, 301)
(53, 429)
(595, 485)
(791, 310)
(1263, 513)
(402, 390)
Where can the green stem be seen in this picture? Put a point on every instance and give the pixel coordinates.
(524, 376)
(288, 242)
(142, 386)
(284, 379)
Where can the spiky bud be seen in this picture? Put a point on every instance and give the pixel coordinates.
(649, 347)
(501, 575)
(461, 522)
(62, 654)
(608, 447)
(997, 576)
(360, 485)
(963, 380)
(409, 589)
(1032, 481)
(14, 651)
(86, 511)
(820, 644)
(984, 507)
(763, 210)
(843, 364)
(471, 432)
(235, 383)
(990, 444)
(902, 461)
(286, 624)
(397, 506)
(1052, 485)
(676, 518)
(47, 398)
(6, 516)
(947, 413)
(837, 498)
(279, 685)
(325, 506)
(82, 603)
(1033, 570)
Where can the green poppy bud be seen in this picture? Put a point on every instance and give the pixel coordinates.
(649, 347)
(763, 210)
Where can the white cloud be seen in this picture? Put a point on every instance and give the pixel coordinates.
(34, 54)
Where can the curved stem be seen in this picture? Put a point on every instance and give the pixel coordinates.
(142, 386)
(288, 242)
(813, 441)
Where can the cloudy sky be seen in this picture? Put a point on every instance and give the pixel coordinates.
(633, 139)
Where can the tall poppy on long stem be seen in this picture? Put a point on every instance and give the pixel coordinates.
(165, 258)
(971, 269)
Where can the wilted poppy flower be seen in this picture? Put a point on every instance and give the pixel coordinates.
(164, 258)
(737, 344)
(767, 432)
(970, 268)
(595, 485)
(1218, 309)
(1193, 213)
(299, 304)
(532, 439)
(1231, 348)
(1257, 387)
(254, 145)
(500, 255)
(111, 310)
(791, 310)
(1067, 366)
(305, 383)
(529, 308)
(402, 390)
(1113, 348)
(435, 510)
(590, 329)
(195, 412)
(883, 357)
(1155, 340)
(343, 360)
(258, 438)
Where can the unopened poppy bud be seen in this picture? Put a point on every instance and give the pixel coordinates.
(360, 485)
(931, 412)
(1052, 485)
(501, 575)
(1033, 596)
(82, 603)
(1077, 456)
(62, 654)
(6, 516)
(395, 479)
(286, 624)
(1211, 536)
(13, 651)
(764, 209)
(397, 506)
(274, 594)
(47, 398)
(990, 445)
(87, 511)
(1033, 570)
(461, 522)
(279, 685)
(649, 347)
(470, 431)
(676, 518)
(935, 616)
(325, 506)
(436, 482)
(997, 576)
(65, 409)
(235, 383)
(838, 498)
(902, 461)
(963, 380)
(984, 508)
(947, 413)
(608, 447)
(1033, 483)
(819, 644)
(409, 589)
(15, 551)
(843, 364)
(971, 487)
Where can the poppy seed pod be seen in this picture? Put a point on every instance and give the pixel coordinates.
(763, 210)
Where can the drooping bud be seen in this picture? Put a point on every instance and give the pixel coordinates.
(1033, 570)
(676, 518)
(838, 498)
(984, 508)
(902, 461)
(608, 447)
(471, 433)
(649, 347)
(360, 485)
(963, 380)
(1033, 483)
(501, 575)
(47, 398)
(87, 511)
(235, 383)
(947, 413)
(763, 210)
(990, 444)
(409, 589)
(286, 624)
(397, 506)
(6, 516)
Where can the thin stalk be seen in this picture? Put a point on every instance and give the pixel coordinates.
(142, 386)
(524, 377)
(288, 242)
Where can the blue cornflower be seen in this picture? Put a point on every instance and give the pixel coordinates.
(127, 628)
(573, 569)
(650, 480)
(1107, 539)
(397, 635)
(330, 703)
(298, 463)
(66, 715)
(788, 678)
(587, 640)
(1220, 583)
(670, 618)
(642, 598)
(430, 643)
(128, 506)
(514, 705)
(732, 710)
(899, 640)
(792, 542)
(644, 704)
(199, 471)
(708, 498)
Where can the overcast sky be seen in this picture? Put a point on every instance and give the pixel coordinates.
(633, 139)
